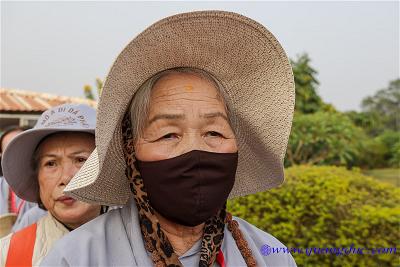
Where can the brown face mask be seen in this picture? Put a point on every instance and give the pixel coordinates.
(190, 188)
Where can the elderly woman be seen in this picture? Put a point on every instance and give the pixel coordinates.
(196, 109)
(38, 164)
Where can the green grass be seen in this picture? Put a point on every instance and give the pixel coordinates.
(391, 176)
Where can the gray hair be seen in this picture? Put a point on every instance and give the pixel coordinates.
(140, 105)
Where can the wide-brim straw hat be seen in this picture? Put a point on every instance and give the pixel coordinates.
(17, 160)
(7, 221)
(246, 59)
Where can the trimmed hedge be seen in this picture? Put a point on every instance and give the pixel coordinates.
(328, 207)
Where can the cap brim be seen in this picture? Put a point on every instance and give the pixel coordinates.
(17, 161)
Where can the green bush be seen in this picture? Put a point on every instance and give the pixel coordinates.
(325, 206)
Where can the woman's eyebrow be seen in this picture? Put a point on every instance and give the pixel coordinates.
(214, 115)
(48, 156)
(166, 117)
(76, 153)
(79, 152)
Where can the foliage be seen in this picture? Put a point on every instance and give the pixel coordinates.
(307, 99)
(88, 90)
(381, 151)
(386, 103)
(324, 138)
(380, 120)
(391, 141)
(370, 122)
(373, 154)
(321, 135)
(395, 159)
(324, 206)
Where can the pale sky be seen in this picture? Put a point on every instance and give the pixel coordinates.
(58, 47)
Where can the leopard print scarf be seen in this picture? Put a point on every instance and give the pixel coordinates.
(156, 242)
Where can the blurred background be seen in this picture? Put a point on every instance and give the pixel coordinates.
(343, 158)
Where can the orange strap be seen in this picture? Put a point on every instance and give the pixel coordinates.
(20, 251)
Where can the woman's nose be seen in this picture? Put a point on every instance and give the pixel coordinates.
(68, 171)
(193, 141)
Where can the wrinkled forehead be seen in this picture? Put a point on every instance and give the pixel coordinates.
(65, 140)
(185, 83)
(189, 108)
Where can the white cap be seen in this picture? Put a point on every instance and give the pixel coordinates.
(17, 157)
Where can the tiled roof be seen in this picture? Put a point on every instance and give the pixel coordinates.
(12, 100)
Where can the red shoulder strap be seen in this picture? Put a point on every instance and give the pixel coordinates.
(20, 251)
(20, 206)
(221, 258)
(12, 204)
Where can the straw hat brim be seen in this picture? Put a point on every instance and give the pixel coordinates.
(7, 221)
(248, 61)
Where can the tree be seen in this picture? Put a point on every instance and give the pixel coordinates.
(391, 141)
(307, 98)
(386, 103)
(88, 90)
(371, 122)
(324, 138)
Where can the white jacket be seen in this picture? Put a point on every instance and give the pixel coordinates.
(115, 239)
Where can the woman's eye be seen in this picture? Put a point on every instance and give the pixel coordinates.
(214, 134)
(168, 136)
(50, 163)
(81, 160)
